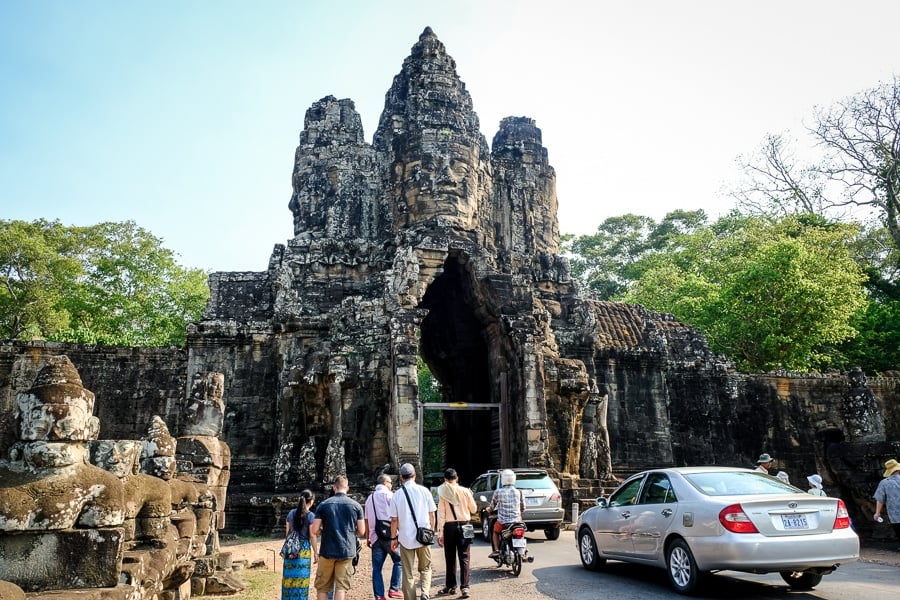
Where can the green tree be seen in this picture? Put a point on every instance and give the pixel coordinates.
(36, 262)
(120, 286)
(610, 260)
(770, 294)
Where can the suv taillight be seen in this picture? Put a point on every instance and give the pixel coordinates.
(734, 519)
(842, 518)
(555, 497)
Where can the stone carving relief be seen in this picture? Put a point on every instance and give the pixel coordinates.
(112, 514)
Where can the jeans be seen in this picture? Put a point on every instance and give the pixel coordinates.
(380, 551)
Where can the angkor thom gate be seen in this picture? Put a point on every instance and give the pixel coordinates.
(428, 243)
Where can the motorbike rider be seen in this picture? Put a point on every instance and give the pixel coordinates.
(509, 503)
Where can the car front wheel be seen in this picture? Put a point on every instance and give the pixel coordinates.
(587, 550)
(804, 581)
(486, 527)
(681, 567)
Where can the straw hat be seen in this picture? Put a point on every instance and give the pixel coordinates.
(890, 467)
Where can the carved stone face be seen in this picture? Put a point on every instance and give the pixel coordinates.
(70, 421)
(159, 466)
(119, 457)
(444, 185)
(54, 455)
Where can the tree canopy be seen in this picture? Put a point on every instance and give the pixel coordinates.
(110, 284)
(770, 293)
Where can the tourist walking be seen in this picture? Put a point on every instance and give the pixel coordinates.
(378, 538)
(887, 495)
(412, 507)
(298, 551)
(339, 520)
(454, 510)
(815, 485)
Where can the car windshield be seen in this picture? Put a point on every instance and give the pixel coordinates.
(738, 483)
(534, 481)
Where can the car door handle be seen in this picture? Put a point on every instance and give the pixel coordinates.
(626, 514)
(667, 512)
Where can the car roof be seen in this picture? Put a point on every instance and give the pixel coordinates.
(516, 470)
(699, 469)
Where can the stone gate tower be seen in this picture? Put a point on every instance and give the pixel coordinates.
(424, 243)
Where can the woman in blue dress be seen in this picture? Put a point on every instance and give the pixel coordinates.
(299, 553)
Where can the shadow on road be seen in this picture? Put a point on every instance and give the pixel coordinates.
(636, 579)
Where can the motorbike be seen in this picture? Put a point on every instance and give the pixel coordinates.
(513, 548)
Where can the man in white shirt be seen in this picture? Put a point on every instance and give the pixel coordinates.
(412, 506)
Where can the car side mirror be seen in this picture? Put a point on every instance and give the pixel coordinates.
(602, 503)
(482, 498)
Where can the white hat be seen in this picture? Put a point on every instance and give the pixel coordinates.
(815, 480)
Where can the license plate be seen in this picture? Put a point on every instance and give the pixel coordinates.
(518, 542)
(794, 522)
(532, 501)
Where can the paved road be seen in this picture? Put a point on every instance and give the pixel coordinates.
(557, 573)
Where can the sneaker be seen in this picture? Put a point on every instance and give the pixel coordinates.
(395, 594)
(447, 590)
(464, 593)
(494, 554)
(423, 597)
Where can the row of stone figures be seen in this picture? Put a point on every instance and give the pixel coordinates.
(137, 517)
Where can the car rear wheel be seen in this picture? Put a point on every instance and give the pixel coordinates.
(552, 533)
(681, 567)
(804, 581)
(486, 527)
(587, 550)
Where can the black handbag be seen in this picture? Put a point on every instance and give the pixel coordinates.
(424, 535)
(382, 526)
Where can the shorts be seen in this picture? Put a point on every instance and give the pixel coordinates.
(499, 527)
(333, 573)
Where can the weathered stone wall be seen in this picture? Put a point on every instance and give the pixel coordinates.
(134, 383)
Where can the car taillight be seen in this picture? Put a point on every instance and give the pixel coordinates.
(518, 532)
(842, 518)
(555, 497)
(734, 519)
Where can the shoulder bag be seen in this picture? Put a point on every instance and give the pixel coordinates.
(382, 526)
(424, 535)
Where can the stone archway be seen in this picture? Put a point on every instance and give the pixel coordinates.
(457, 346)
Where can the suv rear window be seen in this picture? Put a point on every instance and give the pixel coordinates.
(536, 481)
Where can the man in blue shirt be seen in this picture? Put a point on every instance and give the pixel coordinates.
(339, 521)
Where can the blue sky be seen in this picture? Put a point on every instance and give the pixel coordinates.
(184, 115)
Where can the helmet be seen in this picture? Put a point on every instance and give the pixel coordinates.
(507, 477)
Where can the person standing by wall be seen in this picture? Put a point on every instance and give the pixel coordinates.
(412, 507)
(454, 509)
(887, 495)
(299, 551)
(764, 463)
(378, 538)
(339, 520)
(815, 485)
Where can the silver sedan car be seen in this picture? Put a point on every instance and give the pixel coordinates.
(694, 520)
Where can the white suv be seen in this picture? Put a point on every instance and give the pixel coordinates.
(543, 503)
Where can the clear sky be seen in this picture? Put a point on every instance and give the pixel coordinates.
(184, 115)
